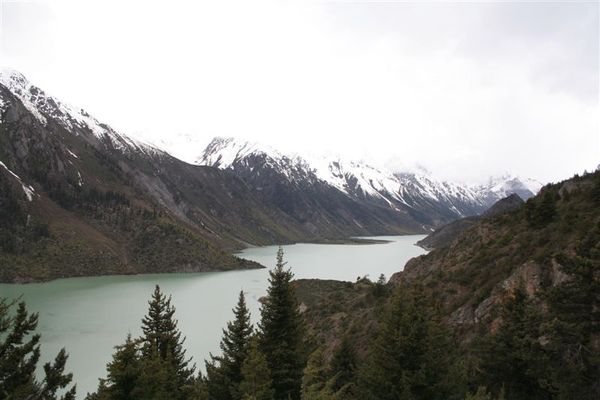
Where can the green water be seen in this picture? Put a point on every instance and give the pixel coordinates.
(89, 316)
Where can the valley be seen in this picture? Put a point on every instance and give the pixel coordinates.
(79, 198)
(203, 300)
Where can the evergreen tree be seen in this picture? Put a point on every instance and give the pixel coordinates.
(411, 355)
(596, 189)
(343, 365)
(158, 380)
(380, 289)
(256, 383)
(282, 333)
(540, 213)
(161, 337)
(315, 384)
(19, 355)
(483, 394)
(122, 373)
(225, 372)
(573, 328)
(153, 367)
(511, 357)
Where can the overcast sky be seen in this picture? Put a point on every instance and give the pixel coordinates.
(464, 89)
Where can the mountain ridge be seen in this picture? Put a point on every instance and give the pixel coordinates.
(79, 198)
(411, 192)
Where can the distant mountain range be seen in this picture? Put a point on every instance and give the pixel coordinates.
(79, 198)
(426, 200)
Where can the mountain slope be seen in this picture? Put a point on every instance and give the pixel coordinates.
(289, 185)
(536, 247)
(444, 235)
(76, 197)
(82, 199)
(528, 246)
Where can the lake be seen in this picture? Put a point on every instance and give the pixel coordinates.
(89, 316)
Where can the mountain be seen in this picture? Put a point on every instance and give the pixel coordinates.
(502, 186)
(425, 202)
(529, 246)
(79, 198)
(550, 241)
(444, 235)
(289, 185)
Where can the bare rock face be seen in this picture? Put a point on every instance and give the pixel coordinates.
(528, 275)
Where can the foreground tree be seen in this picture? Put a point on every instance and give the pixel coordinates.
(281, 333)
(315, 382)
(161, 337)
(154, 366)
(225, 372)
(123, 373)
(19, 356)
(343, 366)
(573, 348)
(256, 383)
(410, 358)
(512, 357)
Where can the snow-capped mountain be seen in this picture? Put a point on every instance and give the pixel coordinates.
(128, 205)
(502, 186)
(431, 201)
(107, 203)
(47, 109)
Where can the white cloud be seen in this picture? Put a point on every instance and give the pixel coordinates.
(464, 89)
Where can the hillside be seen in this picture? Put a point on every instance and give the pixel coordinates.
(533, 246)
(83, 199)
(444, 235)
(79, 199)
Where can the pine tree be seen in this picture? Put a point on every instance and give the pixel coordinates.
(161, 337)
(596, 189)
(512, 357)
(574, 326)
(256, 383)
(282, 332)
(217, 383)
(380, 289)
(234, 347)
(158, 380)
(19, 355)
(315, 385)
(343, 365)
(410, 356)
(539, 213)
(123, 373)
(154, 366)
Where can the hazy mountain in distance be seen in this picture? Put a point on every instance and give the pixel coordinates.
(429, 201)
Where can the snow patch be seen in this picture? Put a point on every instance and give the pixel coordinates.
(27, 189)
(25, 91)
(72, 154)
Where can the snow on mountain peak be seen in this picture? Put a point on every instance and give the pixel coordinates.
(223, 152)
(360, 179)
(25, 91)
(507, 184)
(12, 78)
(75, 119)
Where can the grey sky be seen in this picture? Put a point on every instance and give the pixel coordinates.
(465, 89)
